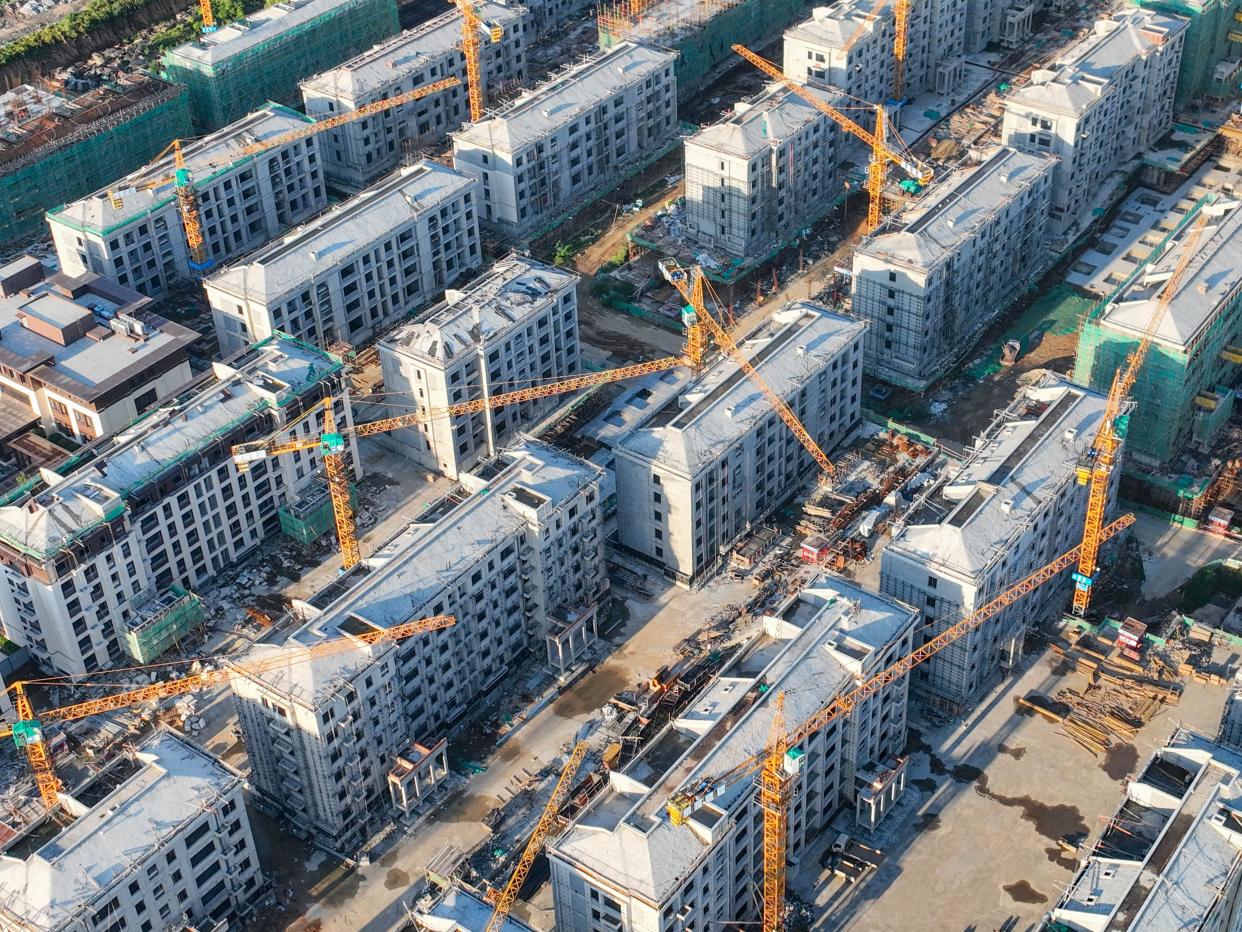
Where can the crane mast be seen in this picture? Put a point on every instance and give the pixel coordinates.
(471, 26)
(1107, 442)
(504, 905)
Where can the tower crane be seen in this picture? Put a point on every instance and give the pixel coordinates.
(209, 18)
(27, 731)
(1102, 457)
(881, 153)
(901, 24)
(331, 442)
(770, 764)
(504, 904)
(182, 178)
(690, 283)
(471, 26)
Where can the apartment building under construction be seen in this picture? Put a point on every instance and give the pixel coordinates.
(131, 231)
(622, 864)
(936, 275)
(1014, 505)
(345, 743)
(358, 152)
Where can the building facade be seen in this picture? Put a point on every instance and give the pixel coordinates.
(557, 147)
(514, 553)
(1101, 103)
(764, 174)
(81, 355)
(357, 269)
(1170, 856)
(84, 554)
(244, 201)
(708, 457)
(160, 840)
(514, 327)
(1185, 392)
(850, 46)
(933, 278)
(1012, 507)
(263, 56)
(358, 152)
(1211, 62)
(623, 865)
(58, 146)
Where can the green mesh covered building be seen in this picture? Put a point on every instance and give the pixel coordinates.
(263, 57)
(65, 145)
(1185, 390)
(1212, 56)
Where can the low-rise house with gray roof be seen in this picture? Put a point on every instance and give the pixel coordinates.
(704, 458)
(158, 839)
(358, 269)
(558, 146)
(515, 554)
(514, 327)
(81, 355)
(118, 540)
(932, 279)
(1013, 506)
(623, 864)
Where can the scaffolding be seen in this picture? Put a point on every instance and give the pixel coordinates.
(311, 516)
(225, 85)
(81, 144)
(160, 622)
(1183, 393)
(1208, 43)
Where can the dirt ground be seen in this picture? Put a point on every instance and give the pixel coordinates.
(973, 842)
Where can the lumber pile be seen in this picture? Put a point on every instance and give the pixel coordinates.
(1106, 712)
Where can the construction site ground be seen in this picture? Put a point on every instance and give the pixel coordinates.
(974, 840)
(373, 898)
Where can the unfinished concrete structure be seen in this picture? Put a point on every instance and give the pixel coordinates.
(81, 355)
(158, 839)
(1101, 103)
(57, 145)
(934, 277)
(703, 459)
(577, 135)
(513, 327)
(259, 57)
(1185, 391)
(244, 200)
(357, 269)
(357, 153)
(1171, 856)
(83, 555)
(1013, 506)
(515, 553)
(757, 179)
(850, 46)
(622, 864)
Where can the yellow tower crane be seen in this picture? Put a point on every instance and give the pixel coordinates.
(691, 284)
(331, 442)
(1102, 457)
(471, 27)
(209, 18)
(901, 23)
(881, 153)
(774, 774)
(508, 896)
(27, 731)
(183, 180)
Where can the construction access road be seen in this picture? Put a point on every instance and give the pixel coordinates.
(374, 898)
